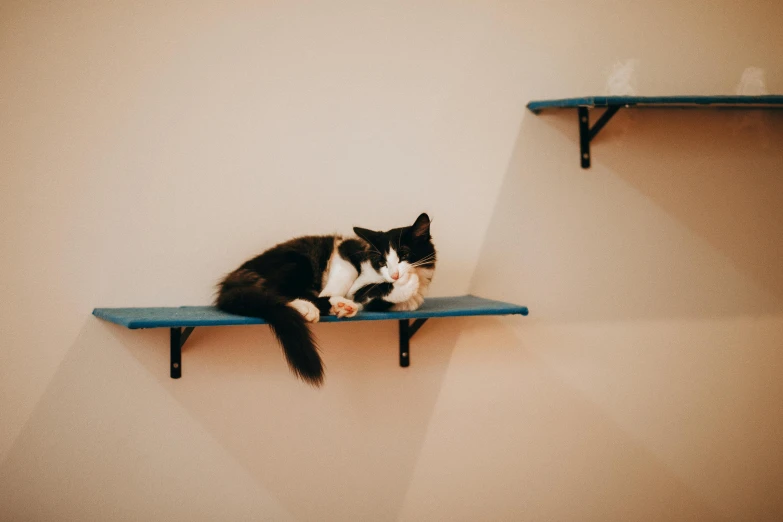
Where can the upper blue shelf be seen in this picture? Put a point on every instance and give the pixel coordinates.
(192, 316)
(612, 104)
(774, 101)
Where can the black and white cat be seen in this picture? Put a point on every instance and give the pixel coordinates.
(295, 282)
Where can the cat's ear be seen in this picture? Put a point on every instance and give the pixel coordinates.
(370, 236)
(421, 228)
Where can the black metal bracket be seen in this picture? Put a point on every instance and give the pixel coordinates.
(178, 338)
(587, 133)
(407, 330)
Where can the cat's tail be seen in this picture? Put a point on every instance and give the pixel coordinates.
(288, 325)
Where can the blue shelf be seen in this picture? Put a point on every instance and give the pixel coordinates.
(190, 317)
(770, 101)
(612, 104)
(187, 316)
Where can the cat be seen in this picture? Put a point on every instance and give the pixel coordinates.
(297, 281)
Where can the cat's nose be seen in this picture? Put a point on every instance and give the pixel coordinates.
(395, 276)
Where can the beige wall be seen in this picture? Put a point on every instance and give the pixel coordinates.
(146, 150)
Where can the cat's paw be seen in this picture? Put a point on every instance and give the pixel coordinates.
(342, 307)
(308, 310)
(411, 304)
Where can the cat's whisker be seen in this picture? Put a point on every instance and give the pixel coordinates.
(428, 256)
(423, 261)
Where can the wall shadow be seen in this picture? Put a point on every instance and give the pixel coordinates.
(523, 444)
(717, 172)
(236, 384)
(103, 443)
(681, 215)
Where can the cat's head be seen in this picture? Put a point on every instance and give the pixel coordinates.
(394, 252)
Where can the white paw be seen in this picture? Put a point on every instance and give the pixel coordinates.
(411, 304)
(342, 307)
(308, 310)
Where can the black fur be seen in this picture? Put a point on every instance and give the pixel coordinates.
(369, 292)
(355, 251)
(264, 285)
(288, 325)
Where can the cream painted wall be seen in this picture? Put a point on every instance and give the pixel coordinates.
(145, 150)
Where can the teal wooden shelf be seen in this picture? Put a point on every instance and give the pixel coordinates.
(682, 102)
(612, 104)
(182, 320)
